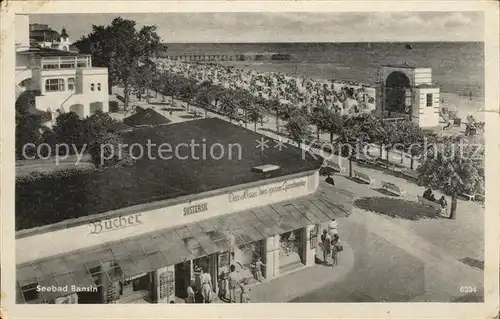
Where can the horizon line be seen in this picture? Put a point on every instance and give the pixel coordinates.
(302, 42)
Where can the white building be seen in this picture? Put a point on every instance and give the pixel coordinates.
(63, 80)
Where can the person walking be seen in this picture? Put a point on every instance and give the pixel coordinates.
(334, 249)
(206, 286)
(223, 286)
(333, 224)
(258, 268)
(234, 280)
(244, 297)
(325, 245)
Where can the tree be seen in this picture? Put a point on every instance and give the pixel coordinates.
(454, 168)
(70, 130)
(97, 124)
(122, 49)
(26, 102)
(353, 134)
(298, 127)
(276, 107)
(107, 151)
(205, 95)
(27, 131)
(229, 105)
(255, 113)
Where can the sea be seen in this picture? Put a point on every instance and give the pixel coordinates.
(457, 67)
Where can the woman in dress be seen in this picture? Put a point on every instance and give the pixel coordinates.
(206, 286)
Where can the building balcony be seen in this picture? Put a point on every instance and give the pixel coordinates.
(68, 62)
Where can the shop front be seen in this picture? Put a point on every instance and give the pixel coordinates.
(158, 266)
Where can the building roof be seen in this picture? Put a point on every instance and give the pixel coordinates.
(119, 127)
(146, 117)
(56, 198)
(46, 52)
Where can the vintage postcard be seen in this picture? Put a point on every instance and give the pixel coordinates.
(339, 157)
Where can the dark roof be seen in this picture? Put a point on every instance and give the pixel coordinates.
(119, 127)
(146, 117)
(60, 197)
(47, 52)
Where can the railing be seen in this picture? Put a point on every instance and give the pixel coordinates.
(48, 63)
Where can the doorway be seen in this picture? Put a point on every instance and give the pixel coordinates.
(182, 279)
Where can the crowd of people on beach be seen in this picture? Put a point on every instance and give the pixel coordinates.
(344, 97)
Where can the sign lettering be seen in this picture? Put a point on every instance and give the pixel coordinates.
(195, 209)
(116, 223)
(266, 191)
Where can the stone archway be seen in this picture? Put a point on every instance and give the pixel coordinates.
(78, 109)
(398, 93)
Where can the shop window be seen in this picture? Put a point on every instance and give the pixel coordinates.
(71, 84)
(54, 85)
(29, 292)
(92, 88)
(429, 99)
(98, 86)
(106, 278)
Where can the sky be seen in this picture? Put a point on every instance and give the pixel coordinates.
(288, 26)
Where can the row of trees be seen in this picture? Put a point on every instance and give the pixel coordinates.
(449, 164)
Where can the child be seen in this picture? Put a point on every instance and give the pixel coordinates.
(258, 268)
(245, 298)
(190, 291)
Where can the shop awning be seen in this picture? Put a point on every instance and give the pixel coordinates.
(149, 252)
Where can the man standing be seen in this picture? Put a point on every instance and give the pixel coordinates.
(234, 280)
(325, 245)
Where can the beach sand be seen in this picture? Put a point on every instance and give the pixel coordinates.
(463, 105)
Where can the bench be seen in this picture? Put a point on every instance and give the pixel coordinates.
(363, 177)
(409, 173)
(468, 196)
(479, 198)
(393, 189)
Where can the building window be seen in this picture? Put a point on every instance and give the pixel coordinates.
(71, 84)
(98, 86)
(50, 65)
(429, 99)
(92, 88)
(54, 85)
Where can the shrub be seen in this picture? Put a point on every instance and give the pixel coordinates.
(396, 207)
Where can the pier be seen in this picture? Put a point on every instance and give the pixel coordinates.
(229, 57)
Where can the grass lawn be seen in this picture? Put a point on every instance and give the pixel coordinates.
(395, 207)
